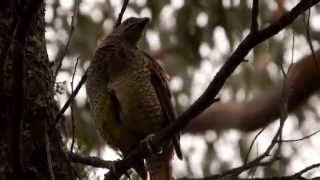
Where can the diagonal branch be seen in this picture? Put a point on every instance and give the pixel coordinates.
(72, 96)
(123, 9)
(208, 97)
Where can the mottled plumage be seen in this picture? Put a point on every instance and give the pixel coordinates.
(129, 96)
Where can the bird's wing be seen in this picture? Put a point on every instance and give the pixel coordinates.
(159, 79)
(116, 106)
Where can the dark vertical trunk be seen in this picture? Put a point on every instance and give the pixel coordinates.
(30, 145)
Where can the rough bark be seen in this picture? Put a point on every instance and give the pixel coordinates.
(30, 145)
(265, 108)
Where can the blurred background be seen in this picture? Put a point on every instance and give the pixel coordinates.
(192, 39)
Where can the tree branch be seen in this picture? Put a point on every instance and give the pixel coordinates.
(208, 97)
(254, 16)
(123, 9)
(73, 128)
(296, 176)
(72, 96)
(308, 37)
(252, 115)
(61, 54)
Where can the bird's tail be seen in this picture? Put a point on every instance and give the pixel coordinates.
(159, 167)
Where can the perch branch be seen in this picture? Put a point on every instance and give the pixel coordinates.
(208, 97)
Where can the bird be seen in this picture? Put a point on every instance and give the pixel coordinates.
(130, 98)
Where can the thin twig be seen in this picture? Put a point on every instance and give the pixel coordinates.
(307, 169)
(72, 96)
(303, 138)
(309, 39)
(71, 107)
(59, 59)
(251, 145)
(123, 9)
(254, 16)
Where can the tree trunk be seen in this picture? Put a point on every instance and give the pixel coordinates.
(30, 145)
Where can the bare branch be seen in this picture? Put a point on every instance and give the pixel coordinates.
(208, 97)
(296, 176)
(309, 39)
(307, 169)
(123, 9)
(301, 139)
(254, 16)
(61, 54)
(252, 115)
(72, 96)
(72, 113)
(251, 145)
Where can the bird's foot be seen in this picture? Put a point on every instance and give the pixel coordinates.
(152, 148)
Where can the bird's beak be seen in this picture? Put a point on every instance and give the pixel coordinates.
(144, 21)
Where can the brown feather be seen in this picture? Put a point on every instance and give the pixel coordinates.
(159, 79)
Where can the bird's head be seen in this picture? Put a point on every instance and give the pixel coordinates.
(132, 29)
